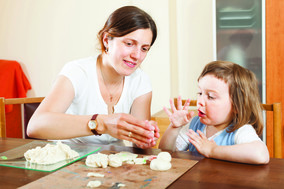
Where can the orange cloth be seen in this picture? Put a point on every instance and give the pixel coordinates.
(13, 84)
(13, 81)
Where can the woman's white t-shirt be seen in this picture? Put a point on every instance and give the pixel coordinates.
(88, 100)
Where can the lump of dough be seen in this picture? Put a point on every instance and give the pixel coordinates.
(140, 161)
(121, 185)
(166, 156)
(91, 174)
(162, 162)
(114, 160)
(94, 184)
(126, 156)
(160, 165)
(97, 160)
(50, 154)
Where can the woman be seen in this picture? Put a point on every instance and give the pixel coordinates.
(106, 96)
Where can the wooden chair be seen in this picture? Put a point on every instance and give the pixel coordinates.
(28, 106)
(192, 102)
(274, 130)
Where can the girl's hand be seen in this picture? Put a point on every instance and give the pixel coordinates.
(180, 115)
(201, 143)
(126, 127)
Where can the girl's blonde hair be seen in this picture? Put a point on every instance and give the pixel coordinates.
(243, 91)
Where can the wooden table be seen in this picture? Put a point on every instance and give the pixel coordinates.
(207, 173)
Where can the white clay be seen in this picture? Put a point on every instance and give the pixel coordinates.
(114, 161)
(94, 184)
(121, 185)
(166, 156)
(162, 163)
(91, 174)
(140, 161)
(97, 160)
(126, 156)
(50, 154)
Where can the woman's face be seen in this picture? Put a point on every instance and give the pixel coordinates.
(213, 102)
(126, 53)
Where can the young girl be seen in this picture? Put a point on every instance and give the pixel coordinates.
(229, 117)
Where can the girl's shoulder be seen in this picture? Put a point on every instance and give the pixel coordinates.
(246, 134)
(195, 124)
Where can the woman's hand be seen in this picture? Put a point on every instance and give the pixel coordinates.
(180, 115)
(201, 142)
(126, 127)
(156, 135)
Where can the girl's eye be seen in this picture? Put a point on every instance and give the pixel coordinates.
(128, 43)
(211, 97)
(199, 93)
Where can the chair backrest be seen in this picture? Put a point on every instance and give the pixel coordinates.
(192, 102)
(23, 102)
(274, 132)
(274, 128)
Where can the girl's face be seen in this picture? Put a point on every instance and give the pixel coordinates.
(126, 53)
(213, 102)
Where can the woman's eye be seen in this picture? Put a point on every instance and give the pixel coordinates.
(199, 93)
(145, 49)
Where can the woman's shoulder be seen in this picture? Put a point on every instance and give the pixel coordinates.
(79, 66)
(82, 62)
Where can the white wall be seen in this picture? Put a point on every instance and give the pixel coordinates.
(195, 43)
(44, 34)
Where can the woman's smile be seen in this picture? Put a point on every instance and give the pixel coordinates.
(130, 64)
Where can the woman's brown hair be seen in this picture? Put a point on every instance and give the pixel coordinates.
(243, 91)
(126, 20)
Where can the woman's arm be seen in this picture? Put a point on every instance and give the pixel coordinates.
(50, 121)
(141, 109)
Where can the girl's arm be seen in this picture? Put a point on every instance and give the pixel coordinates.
(179, 117)
(254, 152)
(168, 140)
